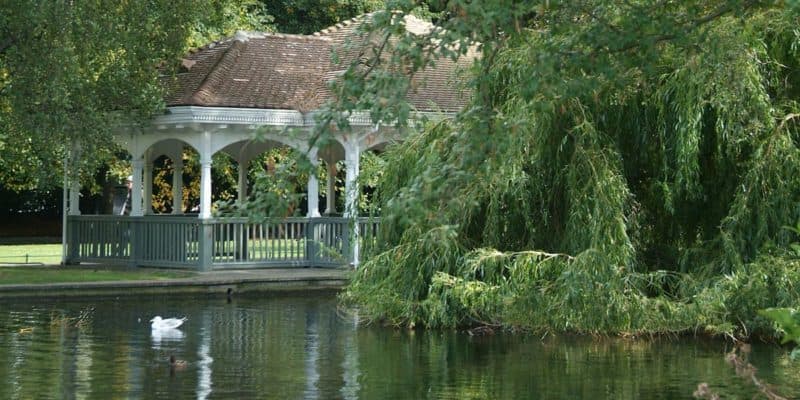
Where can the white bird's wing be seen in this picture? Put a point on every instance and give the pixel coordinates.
(172, 323)
(167, 323)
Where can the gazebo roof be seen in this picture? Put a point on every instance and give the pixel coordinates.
(290, 72)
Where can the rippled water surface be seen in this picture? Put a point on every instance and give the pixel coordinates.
(301, 347)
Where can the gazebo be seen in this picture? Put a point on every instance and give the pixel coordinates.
(224, 93)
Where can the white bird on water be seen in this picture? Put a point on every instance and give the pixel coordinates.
(159, 324)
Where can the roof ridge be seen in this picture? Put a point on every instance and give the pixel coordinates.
(337, 27)
(246, 35)
(243, 35)
(414, 24)
(215, 70)
(211, 45)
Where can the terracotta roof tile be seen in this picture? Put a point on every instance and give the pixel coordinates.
(278, 71)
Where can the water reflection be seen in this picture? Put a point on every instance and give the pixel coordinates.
(83, 366)
(301, 348)
(205, 360)
(165, 335)
(311, 356)
(350, 374)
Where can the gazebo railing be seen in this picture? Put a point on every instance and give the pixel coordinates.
(218, 243)
(99, 238)
(167, 241)
(239, 242)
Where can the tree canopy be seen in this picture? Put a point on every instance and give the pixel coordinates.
(70, 70)
(309, 16)
(623, 167)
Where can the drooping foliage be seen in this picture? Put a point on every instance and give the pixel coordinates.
(621, 168)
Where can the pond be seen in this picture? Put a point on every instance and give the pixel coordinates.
(304, 347)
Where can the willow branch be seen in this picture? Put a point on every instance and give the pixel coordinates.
(6, 43)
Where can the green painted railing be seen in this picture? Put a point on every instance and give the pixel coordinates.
(99, 238)
(188, 242)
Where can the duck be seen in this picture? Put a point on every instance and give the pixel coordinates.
(158, 323)
(176, 364)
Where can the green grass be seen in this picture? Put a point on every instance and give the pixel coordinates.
(48, 254)
(32, 275)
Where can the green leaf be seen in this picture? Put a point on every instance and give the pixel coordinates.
(788, 320)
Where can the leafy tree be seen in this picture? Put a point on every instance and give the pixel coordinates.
(622, 167)
(71, 70)
(309, 16)
(788, 320)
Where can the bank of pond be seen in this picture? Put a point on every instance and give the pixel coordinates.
(299, 346)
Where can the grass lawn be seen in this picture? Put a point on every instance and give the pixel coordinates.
(29, 275)
(50, 254)
(47, 254)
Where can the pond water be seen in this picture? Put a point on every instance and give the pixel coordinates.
(303, 347)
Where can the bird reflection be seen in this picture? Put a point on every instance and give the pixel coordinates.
(166, 336)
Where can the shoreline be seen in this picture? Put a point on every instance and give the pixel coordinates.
(215, 282)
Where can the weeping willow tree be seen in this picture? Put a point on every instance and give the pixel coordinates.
(622, 168)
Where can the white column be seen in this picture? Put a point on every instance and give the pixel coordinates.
(242, 192)
(313, 187)
(352, 155)
(330, 201)
(205, 185)
(148, 187)
(136, 187)
(177, 184)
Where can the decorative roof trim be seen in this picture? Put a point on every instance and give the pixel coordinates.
(185, 115)
(227, 115)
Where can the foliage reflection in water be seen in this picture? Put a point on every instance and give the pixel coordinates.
(301, 347)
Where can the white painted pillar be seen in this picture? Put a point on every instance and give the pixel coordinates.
(205, 186)
(352, 154)
(136, 187)
(330, 201)
(313, 187)
(177, 184)
(241, 195)
(351, 163)
(205, 176)
(148, 187)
